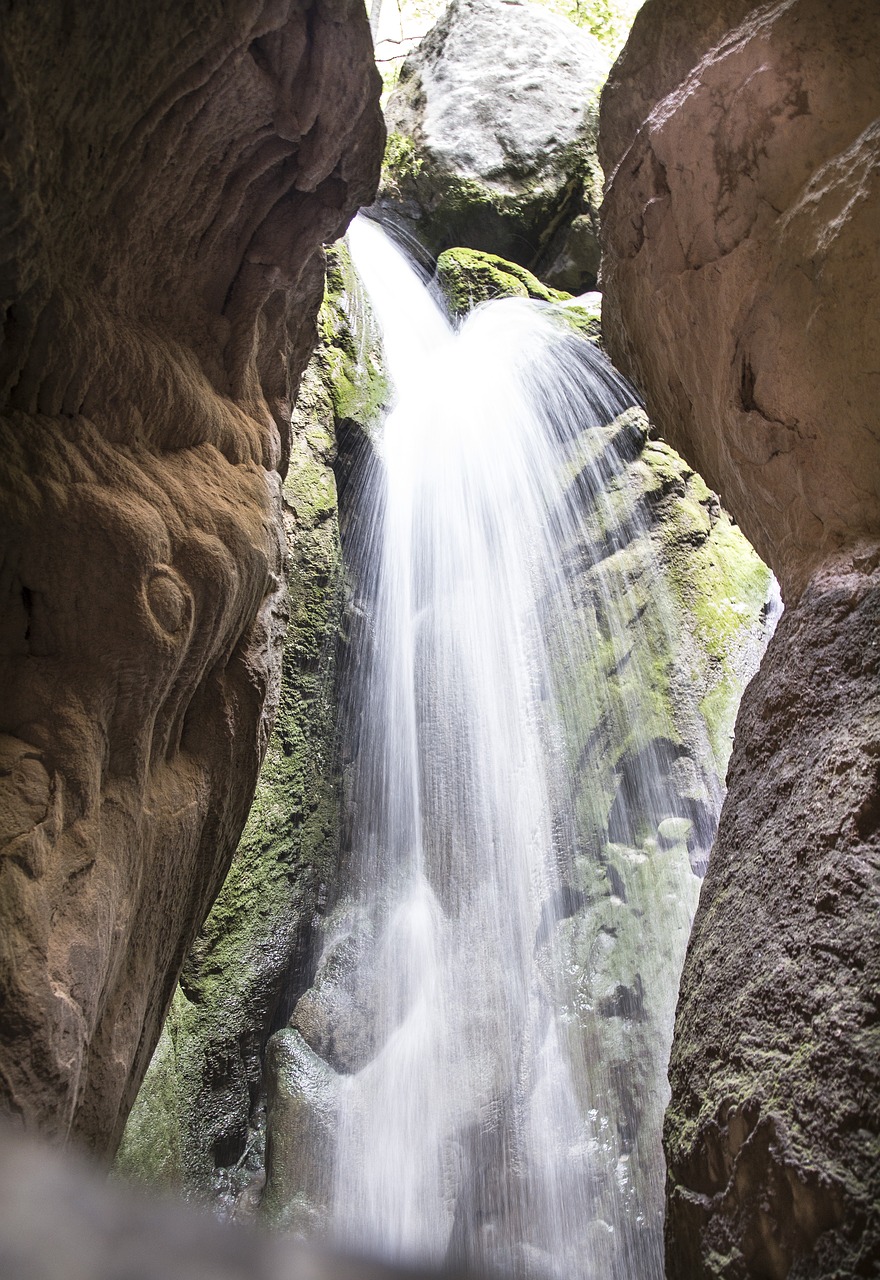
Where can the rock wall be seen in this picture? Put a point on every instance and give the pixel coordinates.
(740, 246)
(741, 280)
(169, 174)
(199, 1121)
(771, 1137)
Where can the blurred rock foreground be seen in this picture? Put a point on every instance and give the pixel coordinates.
(61, 1220)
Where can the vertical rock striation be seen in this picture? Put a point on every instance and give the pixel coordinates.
(741, 274)
(168, 178)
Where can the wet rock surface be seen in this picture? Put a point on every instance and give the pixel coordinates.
(169, 176)
(493, 139)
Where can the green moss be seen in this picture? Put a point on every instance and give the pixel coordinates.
(350, 372)
(722, 585)
(401, 160)
(469, 277)
(519, 222)
(151, 1150)
(650, 652)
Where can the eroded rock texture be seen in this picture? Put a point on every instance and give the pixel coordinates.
(741, 271)
(741, 279)
(198, 1122)
(169, 173)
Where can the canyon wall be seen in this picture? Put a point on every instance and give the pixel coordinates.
(198, 1124)
(169, 174)
(741, 275)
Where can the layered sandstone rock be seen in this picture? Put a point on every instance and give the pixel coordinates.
(170, 175)
(741, 278)
(198, 1124)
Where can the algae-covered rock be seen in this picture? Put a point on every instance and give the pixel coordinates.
(198, 1122)
(672, 600)
(348, 360)
(492, 138)
(675, 599)
(468, 277)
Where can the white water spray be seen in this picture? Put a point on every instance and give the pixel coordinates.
(499, 1073)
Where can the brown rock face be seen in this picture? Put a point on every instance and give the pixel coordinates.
(741, 275)
(741, 270)
(168, 174)
(771, 1136)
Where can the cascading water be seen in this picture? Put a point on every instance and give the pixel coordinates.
(497, 1072)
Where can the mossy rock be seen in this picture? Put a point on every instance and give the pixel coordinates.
(349, 369)
(674, 599)
(468, 277)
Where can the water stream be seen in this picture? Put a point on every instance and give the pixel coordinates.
(497, 985)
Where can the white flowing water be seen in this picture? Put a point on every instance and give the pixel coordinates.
(499, 1085)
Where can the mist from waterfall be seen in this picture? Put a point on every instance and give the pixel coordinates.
(497, 1088)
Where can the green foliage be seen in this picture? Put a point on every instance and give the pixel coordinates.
(608, 20)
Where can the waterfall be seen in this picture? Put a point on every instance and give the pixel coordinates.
(483, 1051)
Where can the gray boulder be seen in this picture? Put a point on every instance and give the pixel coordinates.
(492, 133)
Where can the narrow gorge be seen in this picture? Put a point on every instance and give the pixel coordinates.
(427, 835)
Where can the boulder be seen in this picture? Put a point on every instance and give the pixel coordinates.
(492, 139)
(167, 184)
(467, 277)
